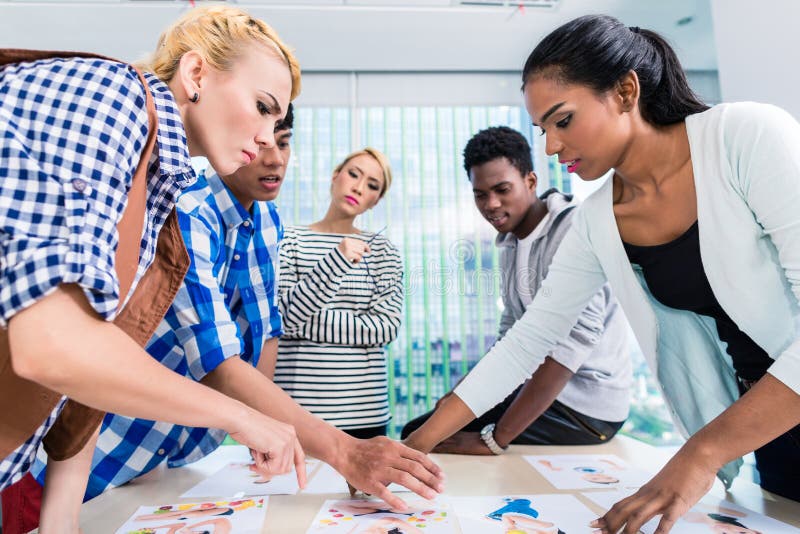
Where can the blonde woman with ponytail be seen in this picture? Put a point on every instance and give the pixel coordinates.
(221, 80)
(72, 132)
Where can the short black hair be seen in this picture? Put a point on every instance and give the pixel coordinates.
(288, 121)
(498, 142)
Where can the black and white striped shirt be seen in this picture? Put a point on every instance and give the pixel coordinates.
(337, 319)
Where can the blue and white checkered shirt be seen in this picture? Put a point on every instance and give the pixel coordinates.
(71, 136)
(227, 307)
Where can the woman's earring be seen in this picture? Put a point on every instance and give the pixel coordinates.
(195, 98)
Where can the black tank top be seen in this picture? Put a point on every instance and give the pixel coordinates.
(675, 276)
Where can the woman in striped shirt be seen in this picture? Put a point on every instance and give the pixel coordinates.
(341, 299)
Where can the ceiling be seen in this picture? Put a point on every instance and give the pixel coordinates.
(361, 35)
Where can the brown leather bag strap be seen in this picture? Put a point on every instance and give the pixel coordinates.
(130, 226)
(19, 55)
(77, 422)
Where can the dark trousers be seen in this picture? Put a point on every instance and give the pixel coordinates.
(366, 433)
(778, 463)
(558, 425)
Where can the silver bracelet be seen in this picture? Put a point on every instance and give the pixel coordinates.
(487, 435)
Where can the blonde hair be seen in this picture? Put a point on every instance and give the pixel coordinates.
(219, 34)
(378, 156)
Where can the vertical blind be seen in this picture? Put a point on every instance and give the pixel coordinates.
(452, 282)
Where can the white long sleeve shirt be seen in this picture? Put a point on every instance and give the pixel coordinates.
(746, 163)
(337, 320)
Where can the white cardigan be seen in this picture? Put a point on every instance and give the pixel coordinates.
(746, 162)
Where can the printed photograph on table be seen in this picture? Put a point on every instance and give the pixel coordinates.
(373, 516)
(243, 516)
(521, 514)
(710, 516)
(241, 478)
(327, 480)
(584, 471)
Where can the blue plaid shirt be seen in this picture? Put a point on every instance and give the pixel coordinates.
(226, 307)
(71, 135)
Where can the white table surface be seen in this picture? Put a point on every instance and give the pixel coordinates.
(466, 475)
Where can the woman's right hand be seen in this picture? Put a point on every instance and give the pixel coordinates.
(353, 249)
(273, 445)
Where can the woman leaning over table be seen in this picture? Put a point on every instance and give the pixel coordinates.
(71, 134)
(698, 233)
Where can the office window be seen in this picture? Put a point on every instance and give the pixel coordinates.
(452, 283)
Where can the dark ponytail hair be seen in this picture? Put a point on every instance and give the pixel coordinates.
(598, 50)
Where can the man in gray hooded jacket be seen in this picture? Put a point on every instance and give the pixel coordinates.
(580, 394)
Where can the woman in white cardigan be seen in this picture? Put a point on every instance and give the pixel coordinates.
(698, 233)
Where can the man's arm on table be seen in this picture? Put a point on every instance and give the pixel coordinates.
(531, 402)
(536, 395)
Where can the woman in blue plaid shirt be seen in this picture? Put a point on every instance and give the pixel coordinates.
(71, 132)
(222, 330)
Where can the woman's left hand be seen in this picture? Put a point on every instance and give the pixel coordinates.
(463, 443)
(671, 493)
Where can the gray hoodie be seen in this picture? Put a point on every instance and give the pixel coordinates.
(596, 349)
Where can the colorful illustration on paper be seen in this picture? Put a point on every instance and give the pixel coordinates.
(243, 516)
(584, 471)
(373, 516)
(710, 516)
(521, 514)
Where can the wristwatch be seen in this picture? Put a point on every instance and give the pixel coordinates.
(487, 435)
